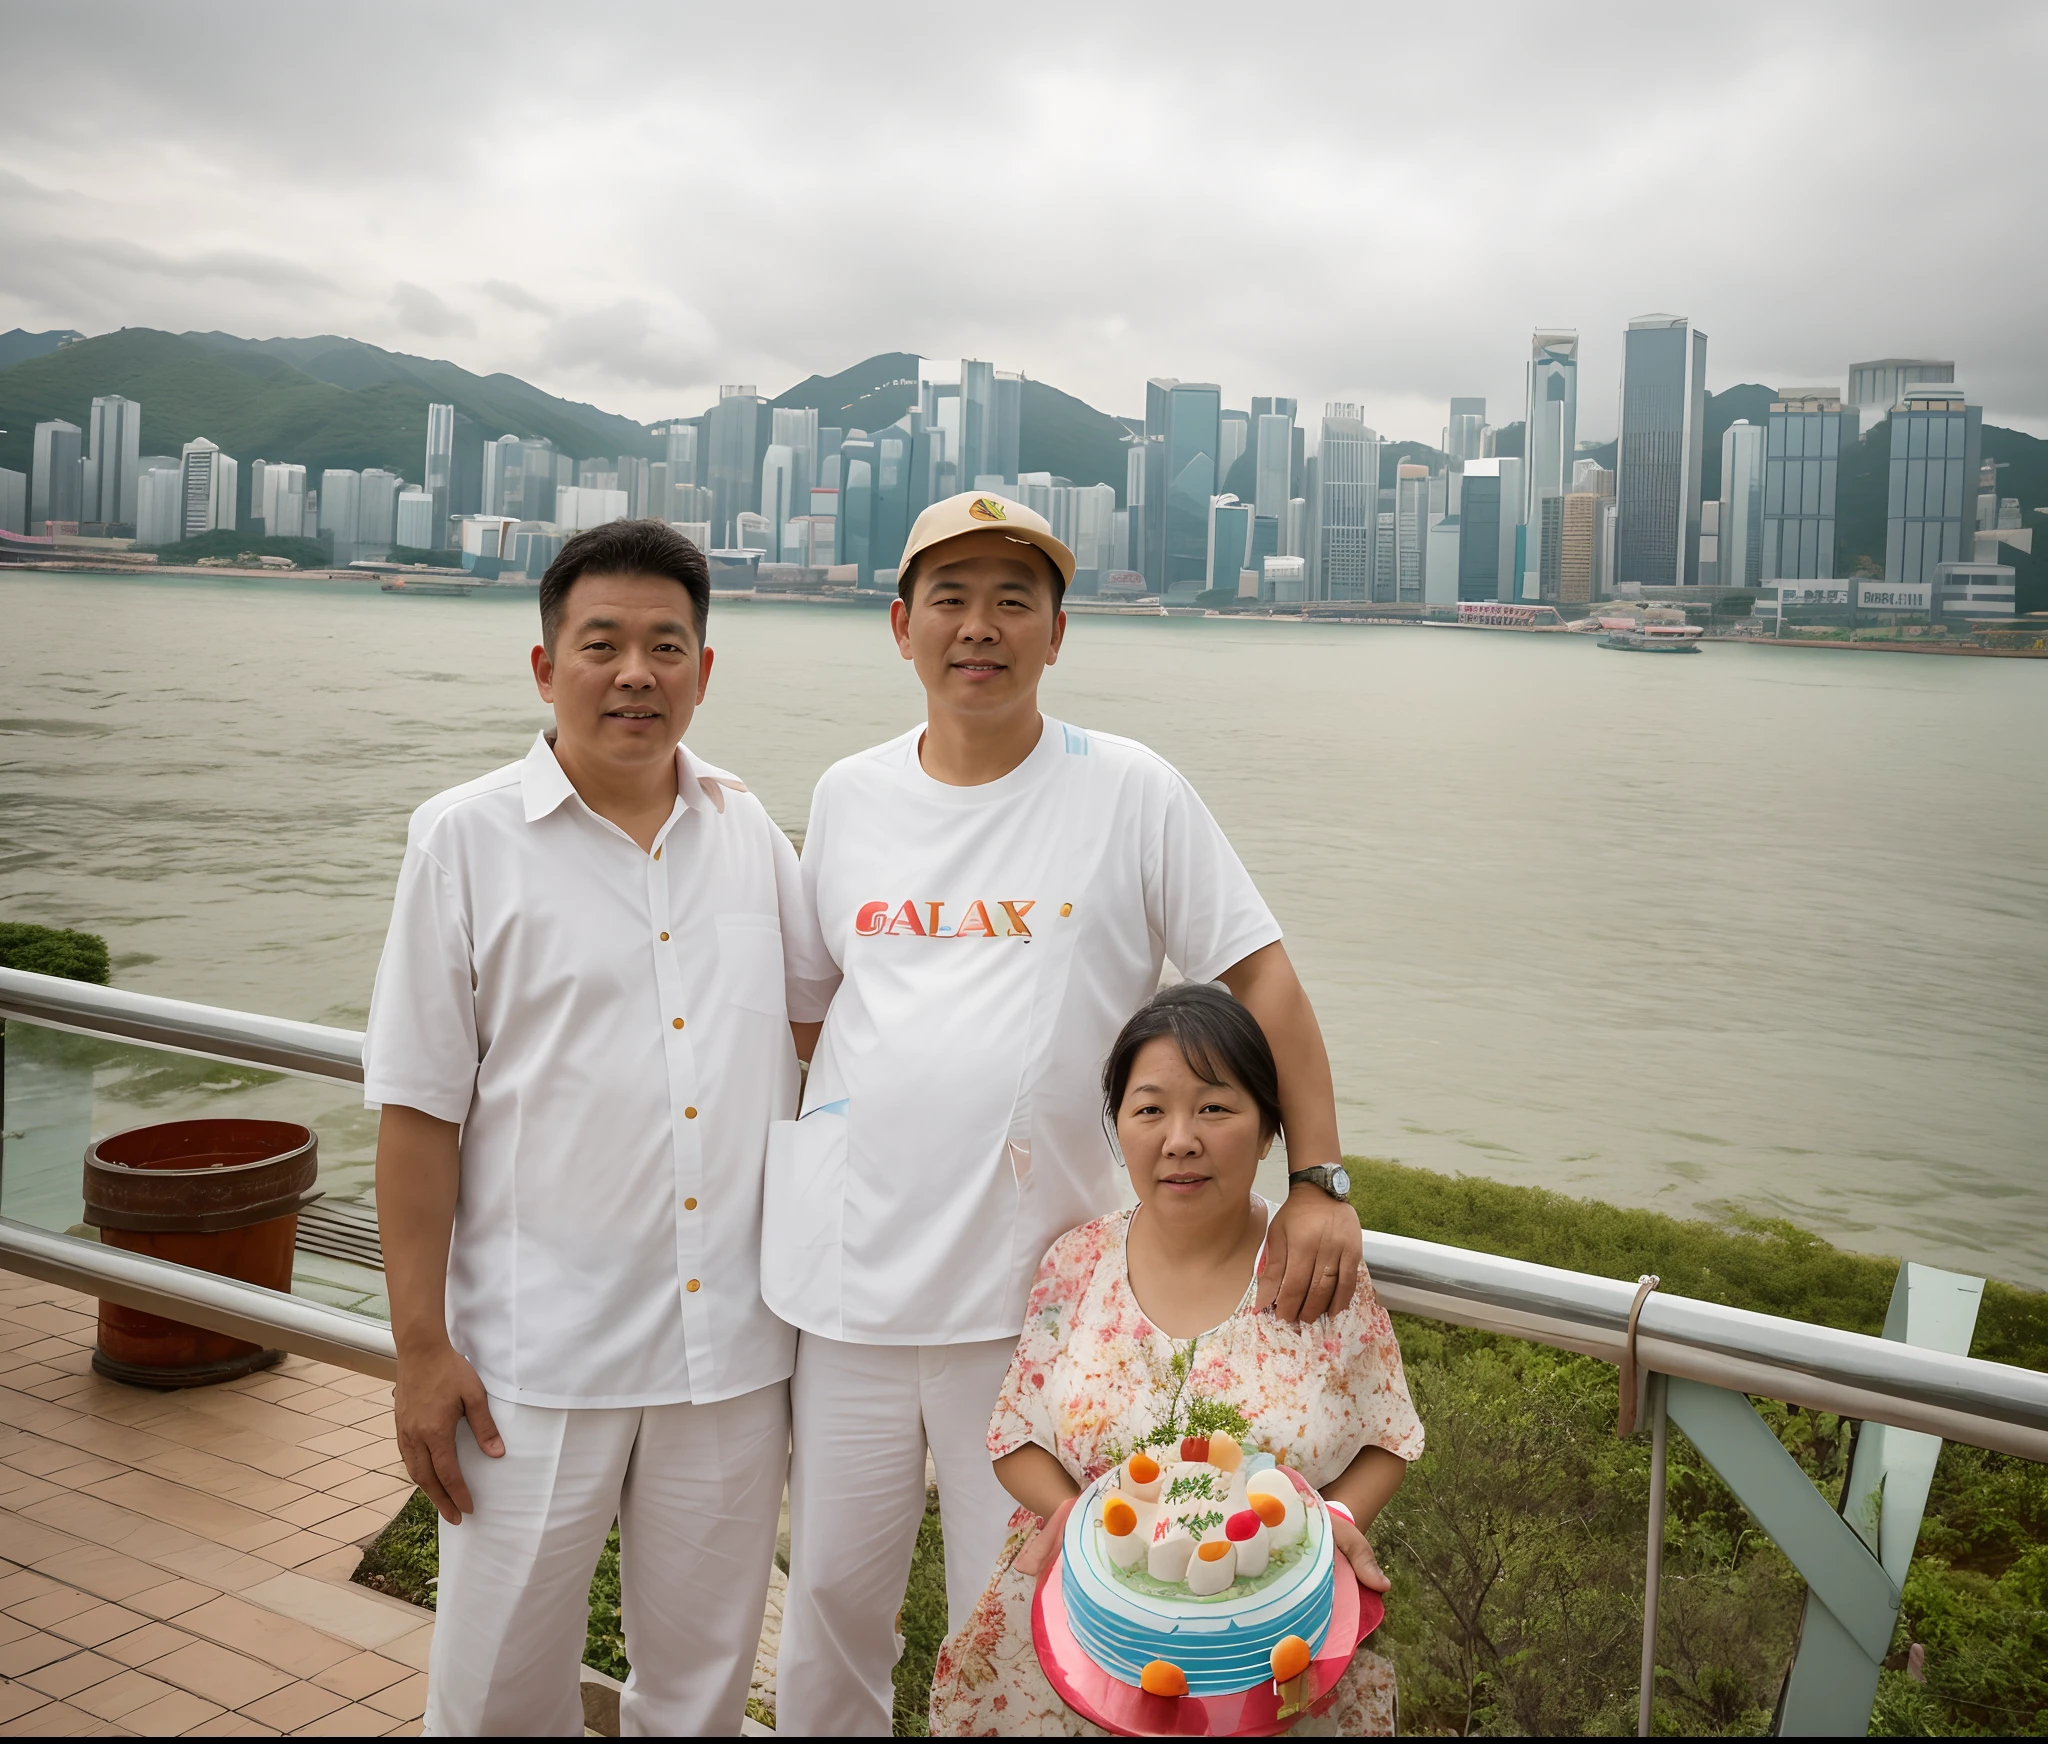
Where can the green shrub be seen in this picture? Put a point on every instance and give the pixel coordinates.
(53, 951)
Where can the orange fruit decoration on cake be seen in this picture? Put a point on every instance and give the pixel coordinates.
(1215, 1550)
(1119, 1518)
(1143, 1468)
(1163, 1678)
(1290, 1659)
(1268, 1508)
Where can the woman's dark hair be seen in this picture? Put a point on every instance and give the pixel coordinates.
(1217, 1037)
(625, 548)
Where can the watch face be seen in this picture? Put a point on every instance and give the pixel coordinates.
(1340, 1181)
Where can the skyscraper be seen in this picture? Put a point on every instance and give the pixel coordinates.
(1462, 432)
(54, 478)
(540, 471)
(1346, 506)
(1550, 434)
(13, 501)
(1136, 551)
(780, 502)
(1881, 383)
(414, 528)
(730, 431)
(159, 500)
(1230, 543)
(438, 469)
(1488, 503)
(1742, 504)
(889, 520)
(377, 512)
(979, 438)
(1234, 436)
(854, 531)
(1930, 514)
(796, 428)
(1663, 431)
(110, 468)
(1009, 422)
(1808, 432)
(1182, 441)
(1411, 531)
(682, 453)
(209, 488)
(283, 496)
(341, 505)
(1273, 477)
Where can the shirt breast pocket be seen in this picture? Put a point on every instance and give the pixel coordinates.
(750, 964)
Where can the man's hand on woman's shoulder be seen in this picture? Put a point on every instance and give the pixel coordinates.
(1312, 1257)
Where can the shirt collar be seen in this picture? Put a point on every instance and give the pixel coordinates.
(544, 785)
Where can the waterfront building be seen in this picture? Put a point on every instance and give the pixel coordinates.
(1230, 542)
(159, 500)
(1550, 439)
(1741, 519)
(578, 506)
(283, 496)
(13, 501)
(1273, 477)
(1284, 580)
(1346, 504)
(751, 532)
(682, 453)
(697, 532)
(1882, 383)
(341, 495)
(542, 472)
(377, 511)
(689, 502)
(1009, 424)
(659, 504)
(1579, 579)
(779, 485)
(1974, 590)
(977, 451)
(1183, 438)
(731, 430)
(1233, 437)
(597, 475)
(1294, 525)
(1930, 513)
(889, 520)
(1411, 531)
(795, 428)
(414, 526)
(1808, 430)
(854, 533)
(454, 469)
(1489, 504)
(114, 448)
(1084, 518)
(1265, 541)
(1135, 522)
(1465, 429)
(55, 483)
(210, 479)
(1384, 550)
(501, 476)
(1663, 431)
(1710, 543)
(1440, 561)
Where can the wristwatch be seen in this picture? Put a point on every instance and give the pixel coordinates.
(1334, 1179)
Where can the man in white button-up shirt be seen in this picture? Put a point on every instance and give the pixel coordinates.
(581, 1031)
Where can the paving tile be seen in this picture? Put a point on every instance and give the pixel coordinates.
(13, 1629)
(364, 1386)
(52, 1720)
(209, 1670)
(353, 1721)
(339, 1564)
(19, 1658)
(232, 1726)
(171, 1713)
(311, 1509)
(373, 1490)
(100, 1624)
(140, 1646)
(64, 1387)
(410, 1729)
(172, 1599)
(21, 1584)
(294, 1706)
(341, 1442)
(361, 1676)
(266, 1635)
(52, 1607)
(17, 1699)
(351, 1412)
(330, 1474)
(41, 1458)
(350, 1613)
(177, 1505)
(88, 1469)
(298, 1549)
(24, 1540)
(121, 1695)
(93, 1568)
(218, 1566)
(402, 1701)
(82, 1516)
(411, 1649)
(66, 1677)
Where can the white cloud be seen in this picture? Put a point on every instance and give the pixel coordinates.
(1370, 202)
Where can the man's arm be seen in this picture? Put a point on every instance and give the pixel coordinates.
(419, 1168)
(1312, 1250)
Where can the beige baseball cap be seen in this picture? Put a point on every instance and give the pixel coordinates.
(983, 512)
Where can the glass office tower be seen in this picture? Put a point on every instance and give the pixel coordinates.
(1550, 434)
(1930, 514)
(1807, 432)
(1347, 503)
(1663, 430)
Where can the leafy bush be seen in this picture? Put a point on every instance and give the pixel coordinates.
(53, 951)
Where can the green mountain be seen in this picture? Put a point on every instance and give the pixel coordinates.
(321, 402)
(17, 344)
(868, 396)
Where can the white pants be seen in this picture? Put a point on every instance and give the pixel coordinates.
(864, 1415)
(696, 1490)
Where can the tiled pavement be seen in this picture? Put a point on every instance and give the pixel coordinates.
(180, 1562)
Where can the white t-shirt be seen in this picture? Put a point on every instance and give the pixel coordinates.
(610, 1028)
(992, 940)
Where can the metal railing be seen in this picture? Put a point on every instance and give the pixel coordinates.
(1848, 1373)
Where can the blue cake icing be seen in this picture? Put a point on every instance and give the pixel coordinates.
(1222, 1644)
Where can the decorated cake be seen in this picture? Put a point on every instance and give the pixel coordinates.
(1204, 1574)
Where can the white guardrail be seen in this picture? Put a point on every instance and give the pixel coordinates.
(1958, 1398)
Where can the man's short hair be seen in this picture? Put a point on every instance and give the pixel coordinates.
(625, 548)
(908, 578)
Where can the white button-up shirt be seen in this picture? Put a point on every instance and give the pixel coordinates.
(610, 1028)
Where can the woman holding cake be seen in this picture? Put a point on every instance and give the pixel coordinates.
(1142, 1324)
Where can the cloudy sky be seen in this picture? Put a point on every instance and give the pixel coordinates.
(630, 203)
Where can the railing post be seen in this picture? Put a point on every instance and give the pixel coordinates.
(1653, 1561)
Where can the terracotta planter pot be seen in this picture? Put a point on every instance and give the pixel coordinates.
(219, 1195)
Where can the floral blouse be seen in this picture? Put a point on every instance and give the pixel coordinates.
(1092, 1375)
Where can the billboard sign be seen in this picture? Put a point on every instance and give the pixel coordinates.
(1894, 596)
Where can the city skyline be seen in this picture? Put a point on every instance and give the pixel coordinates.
(1037, 210)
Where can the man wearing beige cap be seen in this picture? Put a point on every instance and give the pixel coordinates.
(999, 891)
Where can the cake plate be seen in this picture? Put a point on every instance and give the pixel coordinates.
(1130, 1712)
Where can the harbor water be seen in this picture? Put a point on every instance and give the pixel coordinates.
(1766, 929)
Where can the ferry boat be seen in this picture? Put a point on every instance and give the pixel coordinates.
(433, 589)
(1656, 639)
